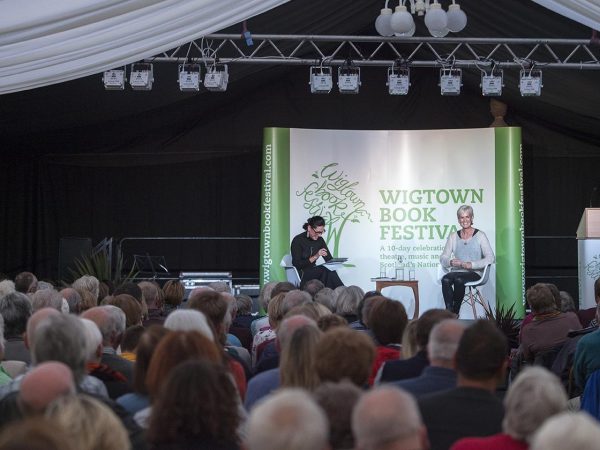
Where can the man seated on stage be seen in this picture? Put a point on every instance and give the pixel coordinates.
(470, 409)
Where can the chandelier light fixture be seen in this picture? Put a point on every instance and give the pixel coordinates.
(400, 22)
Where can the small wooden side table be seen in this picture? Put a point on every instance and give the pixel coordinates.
(413, 284)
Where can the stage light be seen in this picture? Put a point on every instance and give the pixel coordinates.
(530, 82)
(189, 77)
(492, 83)
(438, 21)
(398, 80)
(141, 76)
(114, 79)
(216, 78)
(348, 78)
(321, 79)
(450, 81)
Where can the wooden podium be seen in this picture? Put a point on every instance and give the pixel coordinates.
(588, 256)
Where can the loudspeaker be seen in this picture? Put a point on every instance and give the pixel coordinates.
(69, 249)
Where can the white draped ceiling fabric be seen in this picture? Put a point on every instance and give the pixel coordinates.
(46, 42)
(586, 12)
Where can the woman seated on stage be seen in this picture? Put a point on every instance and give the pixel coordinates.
(466, 254)
(306, 248)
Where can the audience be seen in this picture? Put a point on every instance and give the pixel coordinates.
(174, 293)
(154, 301)
(73, 300)
(470, 409)
(387, 321)
(189, 320)
(440, 374)
(535, 396)
(130, 341)
(35, 433)
(26, 283)
(572, 431)
(89, 423)
(48, 298)
(387, 418)
(88, 283)
(289, 419)
(196, 409)
(111, 323)
(587, 356)
(346, 304)
(413, 366)
(131, 308)
(337, 401)
(16, 310)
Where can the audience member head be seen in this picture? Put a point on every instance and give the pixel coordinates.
(62, 338)
(481, 354)
(325, 297)
(131, 338)
(567, 430)
(35, 433)
(6, 287)
(73, 299)
(388, 417)
(26, 283)
(88, 283)
(338, 401)
(174, 293)
(282, 287)
(214, 306)
(326, 323)
(189, 320)
(46, 298)
(567, 304)
(555, 294)
(289, 419)
(344, 353)
(409, 339)
(89, 423)
(443, 342)
(43, 384)
(364, 306)
(34, 320)
(312, 310)
(16, 309)
(129, 288)
(88, 301)
(93, 339)
(313, 286)
(387, 321)
(427, 321)
(295, 298)
(540, 299)
(151, 293)
(145, 349)
(187, 410)
(298, 337)
(347, 302)
(130, 306)
(244, 305)
(220, 286)
(275, 311)
(111, 321)
(104, 289)
(533, 397)
(175, 348)
(265, 294)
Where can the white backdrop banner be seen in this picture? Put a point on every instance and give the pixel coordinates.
(389, 199)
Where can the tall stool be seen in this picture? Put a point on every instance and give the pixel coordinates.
(473, 294)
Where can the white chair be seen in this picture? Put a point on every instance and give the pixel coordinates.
(473, 294)
(291, 273)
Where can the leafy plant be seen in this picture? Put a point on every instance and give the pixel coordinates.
(99, 265)
(507, 323)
